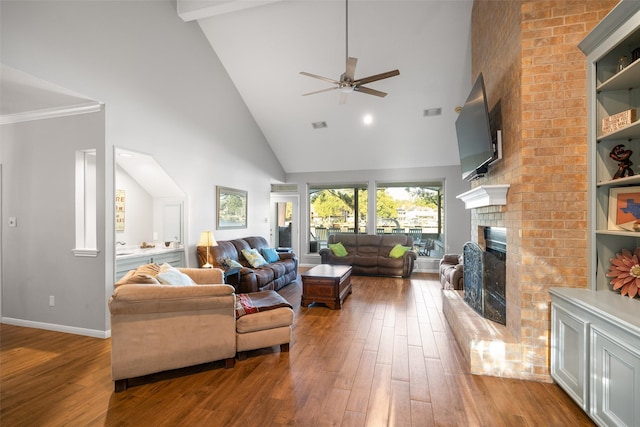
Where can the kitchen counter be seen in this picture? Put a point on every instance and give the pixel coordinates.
(130, 258)
(135, 251)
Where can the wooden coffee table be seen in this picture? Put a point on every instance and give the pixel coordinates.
(327, 284)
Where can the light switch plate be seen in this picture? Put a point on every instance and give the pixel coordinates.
(13, 222)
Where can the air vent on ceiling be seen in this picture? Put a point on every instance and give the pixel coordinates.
(432, 112)
(319, 125)
(284, 188)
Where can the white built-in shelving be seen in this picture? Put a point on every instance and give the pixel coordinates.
(595, 334)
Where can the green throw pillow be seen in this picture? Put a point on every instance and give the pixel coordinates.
(398, 250)
(338, 249)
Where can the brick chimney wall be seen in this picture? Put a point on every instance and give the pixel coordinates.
(535, 75)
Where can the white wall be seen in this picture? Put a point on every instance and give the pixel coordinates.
(39, 190)
(457, 218)
(165, 94)
(138, 211)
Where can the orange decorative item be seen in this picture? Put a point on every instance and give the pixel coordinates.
(625, 272)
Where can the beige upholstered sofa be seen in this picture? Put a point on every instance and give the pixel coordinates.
(368, 254)
(265, 328)
(156, 327)
(451, 272)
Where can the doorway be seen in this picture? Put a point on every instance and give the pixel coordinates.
(285, 224)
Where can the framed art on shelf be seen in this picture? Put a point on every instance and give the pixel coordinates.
(232, 208)
(624, 208)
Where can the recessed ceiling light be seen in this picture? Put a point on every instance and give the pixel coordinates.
(432, 112)
(367, 119)
(319, 125)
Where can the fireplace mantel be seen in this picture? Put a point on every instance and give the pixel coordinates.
(485, 195)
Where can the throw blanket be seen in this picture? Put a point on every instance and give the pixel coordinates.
(259, 301)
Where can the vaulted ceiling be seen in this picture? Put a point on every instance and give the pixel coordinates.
(264, 45)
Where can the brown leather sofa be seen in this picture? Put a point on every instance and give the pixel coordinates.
(273, 276)
(451, 272)
(368, 254)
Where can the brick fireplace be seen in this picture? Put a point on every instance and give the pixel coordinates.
(536, 75)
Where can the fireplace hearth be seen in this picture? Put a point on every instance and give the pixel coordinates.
(485, 275)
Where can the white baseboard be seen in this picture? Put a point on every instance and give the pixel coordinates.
(57, 328)
(424, 270)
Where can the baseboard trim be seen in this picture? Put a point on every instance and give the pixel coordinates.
(57, 328)
(424, 270)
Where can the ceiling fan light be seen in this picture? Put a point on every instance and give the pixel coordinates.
(346, 89)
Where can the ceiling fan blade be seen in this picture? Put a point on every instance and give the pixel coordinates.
(381, 76)
(370, 91)
(343, 98)
(351, 69)
(320, 91)
(326, 79)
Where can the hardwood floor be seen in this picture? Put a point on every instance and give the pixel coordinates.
(387, 358)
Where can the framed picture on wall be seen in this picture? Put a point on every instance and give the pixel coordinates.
(232, 208)
(120, 206)
(624, 208)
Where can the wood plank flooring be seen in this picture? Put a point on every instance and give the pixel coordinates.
(388, 358)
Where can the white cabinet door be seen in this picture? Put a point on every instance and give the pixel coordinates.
(569, 354)
(615, 380)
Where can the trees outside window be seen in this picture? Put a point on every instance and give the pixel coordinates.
(408, 208)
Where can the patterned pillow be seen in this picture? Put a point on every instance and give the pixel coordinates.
(270, 254)
(254, 258)
(228, 263)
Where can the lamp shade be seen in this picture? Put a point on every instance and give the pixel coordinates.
(207, 239)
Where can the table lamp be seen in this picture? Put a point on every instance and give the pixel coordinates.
(207, 239)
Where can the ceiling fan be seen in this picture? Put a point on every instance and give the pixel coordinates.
(348, 83)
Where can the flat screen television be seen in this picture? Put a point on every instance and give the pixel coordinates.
(475, 144)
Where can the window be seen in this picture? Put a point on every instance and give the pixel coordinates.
(415, 209)
(336, 209)
(86, 214)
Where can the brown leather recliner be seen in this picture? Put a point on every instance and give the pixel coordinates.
(452, 272)
(273, 276)
(368, 254)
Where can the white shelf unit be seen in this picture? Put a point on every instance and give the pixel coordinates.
(611, 92)
(595, 332)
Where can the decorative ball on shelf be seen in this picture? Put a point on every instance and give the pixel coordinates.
(625, 272)
(623, 157)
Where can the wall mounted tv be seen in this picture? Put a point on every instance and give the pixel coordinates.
(475, 142)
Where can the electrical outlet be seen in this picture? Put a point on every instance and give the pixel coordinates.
(13, 222)
(52, 301)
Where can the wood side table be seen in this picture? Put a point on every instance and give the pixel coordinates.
(327, 284)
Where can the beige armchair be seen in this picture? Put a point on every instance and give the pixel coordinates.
(156, 327)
